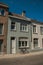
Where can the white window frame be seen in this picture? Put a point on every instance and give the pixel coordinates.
(41, 30)
(14, 26)
(25, 26)
(25, 40)
(24, 44)
(35, 29)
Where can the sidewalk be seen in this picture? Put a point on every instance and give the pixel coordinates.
(19, 55)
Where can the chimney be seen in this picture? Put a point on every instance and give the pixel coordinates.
(23, 13)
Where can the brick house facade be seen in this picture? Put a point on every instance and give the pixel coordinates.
(3, 26)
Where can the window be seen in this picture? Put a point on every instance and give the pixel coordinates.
(1, 28)
(35, 41)
(23, 27)
(41, 30)
(13, 26)
(2, 12)
(42, 43)
(19, 43)
(1, 41)
(34, 28)
(23, 42)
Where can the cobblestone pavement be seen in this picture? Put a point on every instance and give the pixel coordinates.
(3, 56)
(35, 59)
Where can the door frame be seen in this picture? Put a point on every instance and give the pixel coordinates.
(11, 44)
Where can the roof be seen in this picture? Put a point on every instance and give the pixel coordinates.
(3, 5)
(13, 15)
(19, 17)
(35, 21)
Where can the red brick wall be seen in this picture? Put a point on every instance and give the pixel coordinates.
(4, 20)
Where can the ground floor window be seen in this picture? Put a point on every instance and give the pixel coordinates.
(42, 42)
(35, 42)
(1, 41)
(23, 42)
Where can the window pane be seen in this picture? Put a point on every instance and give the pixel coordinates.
(23, 27)
(25, 43)
(22, 43)
(13, 27)
(42, 42)
(34, 28)
(1, 28)
(2, 12)
(41, 30)
(19, 43)
(20, 27)
(1, 41)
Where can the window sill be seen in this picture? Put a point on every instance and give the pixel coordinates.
(13, 30)
(24, 47)
(36, 48)
(1, 35)
(35, 33)
(23, 31)
(41, 34)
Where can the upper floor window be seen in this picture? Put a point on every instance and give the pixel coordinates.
(13, 26)
(1, 28)
(23, 27)
(34, 28)
(41, 30)
(2, 12)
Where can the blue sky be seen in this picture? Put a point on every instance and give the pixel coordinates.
(33, 8)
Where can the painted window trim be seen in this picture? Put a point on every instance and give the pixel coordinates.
(41, 30)
(24, 44)
(36, 30)
(22, 28)
(15, 27)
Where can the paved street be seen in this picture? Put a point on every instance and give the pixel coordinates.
(24, 60)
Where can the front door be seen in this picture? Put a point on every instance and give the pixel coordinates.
(13, 45)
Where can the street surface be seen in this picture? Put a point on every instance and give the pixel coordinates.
(25, 60)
